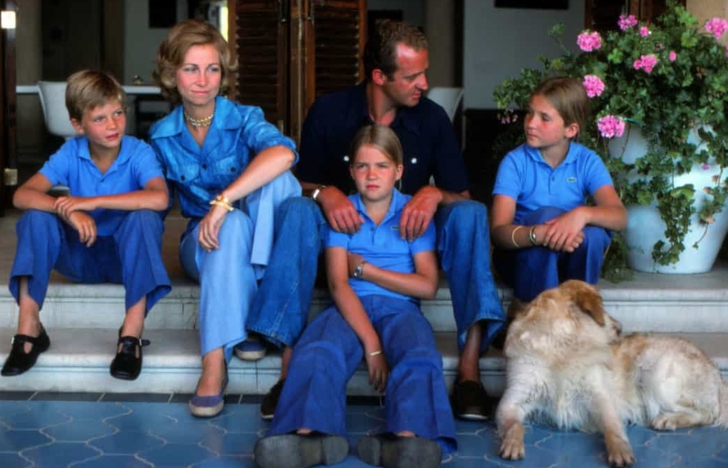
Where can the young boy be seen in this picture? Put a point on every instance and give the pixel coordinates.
(106, 230)
(544, 232)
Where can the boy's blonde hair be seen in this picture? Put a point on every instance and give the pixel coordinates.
(87, 89)
(380, 137)
(171, 55)
(568, 97)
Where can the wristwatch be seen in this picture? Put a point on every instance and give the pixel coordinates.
(359, 270)
(316, 192)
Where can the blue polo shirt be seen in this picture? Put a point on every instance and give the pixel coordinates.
(526, 177)
(427, 137)
(133, 168)
(382, 245)
(199, 174)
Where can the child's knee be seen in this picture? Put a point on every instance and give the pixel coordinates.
(38, 219)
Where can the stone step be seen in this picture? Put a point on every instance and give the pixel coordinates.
(79, 358)
(650, 302)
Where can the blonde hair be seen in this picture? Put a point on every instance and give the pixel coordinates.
(87, 89)
(172, 51)
(568, 97)
(380, 137)
(381, 48)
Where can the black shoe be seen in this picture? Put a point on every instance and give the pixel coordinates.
(270, 400)
(469, 400)
(300, 451)
(18, 360)
(392, 451)
(127, 365)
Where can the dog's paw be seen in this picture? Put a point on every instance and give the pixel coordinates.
(664, 422)
(512, 448)
(619, 453)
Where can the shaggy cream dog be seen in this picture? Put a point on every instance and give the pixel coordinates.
(567, 365)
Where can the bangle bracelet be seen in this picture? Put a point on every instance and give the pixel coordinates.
(532, 235)
(375, 353)
(223, 201)
(513, 237)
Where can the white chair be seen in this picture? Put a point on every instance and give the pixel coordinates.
(53, 101)
(448, 98)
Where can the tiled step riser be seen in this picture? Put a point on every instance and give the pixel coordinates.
(180, 312)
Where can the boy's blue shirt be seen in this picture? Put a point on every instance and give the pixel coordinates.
(526, 177)
(199, 174)
(133, 168)
(382, 245)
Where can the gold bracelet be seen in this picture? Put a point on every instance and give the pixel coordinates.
(375, 353)
(513, 237)
(223, 201)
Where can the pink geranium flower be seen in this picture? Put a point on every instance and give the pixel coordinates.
(611, 126)
(593, 85)
(626, 22)
(716, 26)
(589, 41)
(644, 31)
(672, 56)
(646, 63)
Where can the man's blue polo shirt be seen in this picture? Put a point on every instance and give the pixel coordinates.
(427, 137)
(382, 245)
(133, 168)
(526, 177)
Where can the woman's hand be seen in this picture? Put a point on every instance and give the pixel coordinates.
(67, 205)
(378, 370)
(210, 228)
(84, 224)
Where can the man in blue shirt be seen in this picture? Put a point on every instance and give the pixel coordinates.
(395, 61)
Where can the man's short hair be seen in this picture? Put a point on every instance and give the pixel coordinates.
(87, 89)
(381, 49)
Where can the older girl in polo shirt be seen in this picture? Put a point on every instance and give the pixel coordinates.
(543, 229)
(376, 279)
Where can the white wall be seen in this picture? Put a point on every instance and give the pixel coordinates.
(141, 41)
(413, 11)
(499, 42)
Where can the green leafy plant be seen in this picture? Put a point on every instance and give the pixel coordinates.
(670, 79)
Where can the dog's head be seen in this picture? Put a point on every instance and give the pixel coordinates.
(564, 319)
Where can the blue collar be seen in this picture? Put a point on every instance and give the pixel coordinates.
(535, 154)
(83, 151)
(174, 124)
(405, 116)
(397, 203)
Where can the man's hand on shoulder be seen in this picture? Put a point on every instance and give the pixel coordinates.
(339, 210)
(419, 211)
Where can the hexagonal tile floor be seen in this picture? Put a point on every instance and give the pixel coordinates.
(157, 431)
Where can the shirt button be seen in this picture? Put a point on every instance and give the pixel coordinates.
(414, 160)
(204, 166)
(182, 178)
(232, 169)
(346, 158)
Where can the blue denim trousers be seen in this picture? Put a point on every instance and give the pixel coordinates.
(132, 256)
(328, 354)
(533, 270)
(280, 309)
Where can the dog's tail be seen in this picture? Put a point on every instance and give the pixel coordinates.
(723, 417)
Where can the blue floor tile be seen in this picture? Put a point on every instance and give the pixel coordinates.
(50, 434)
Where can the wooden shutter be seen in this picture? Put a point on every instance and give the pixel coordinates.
(259, 35)
(340, 36)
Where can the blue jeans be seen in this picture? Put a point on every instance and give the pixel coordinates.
(533, 270)
(328, 354)
(131, 256)
(280, 309)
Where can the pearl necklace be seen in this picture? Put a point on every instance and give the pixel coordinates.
(203, 122)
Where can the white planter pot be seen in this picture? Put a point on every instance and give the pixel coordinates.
(645, 227)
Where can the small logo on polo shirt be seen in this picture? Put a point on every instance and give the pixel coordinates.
(394, 228)
(571, 179)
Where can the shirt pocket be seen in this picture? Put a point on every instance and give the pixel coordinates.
(218, 174)
(185, 174)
